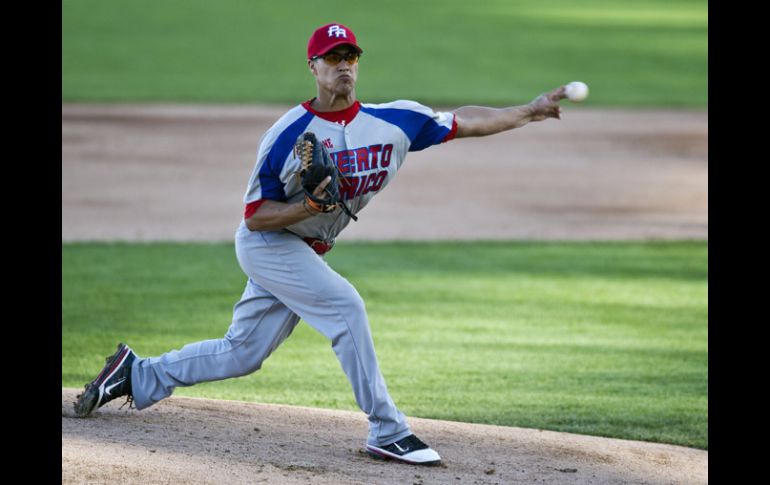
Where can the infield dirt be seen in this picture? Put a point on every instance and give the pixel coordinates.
(180, 172)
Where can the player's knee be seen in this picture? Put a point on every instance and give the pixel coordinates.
(355, 309)
(249, 367)
(243, 359)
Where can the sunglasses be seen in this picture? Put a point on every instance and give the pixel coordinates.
(334, 58)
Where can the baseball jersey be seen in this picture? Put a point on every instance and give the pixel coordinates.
(368, 142)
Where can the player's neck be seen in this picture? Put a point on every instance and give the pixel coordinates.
(325, 102)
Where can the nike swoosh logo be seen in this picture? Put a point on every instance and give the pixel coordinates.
(399, 448)
(109, 388)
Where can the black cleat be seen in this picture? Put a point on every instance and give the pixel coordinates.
(409, 450)
(112, 382)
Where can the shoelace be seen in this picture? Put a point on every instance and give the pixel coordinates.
(129, 401)
(413, 442)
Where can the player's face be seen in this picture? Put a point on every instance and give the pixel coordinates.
(338, 72)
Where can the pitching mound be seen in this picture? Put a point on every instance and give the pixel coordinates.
(196, 441)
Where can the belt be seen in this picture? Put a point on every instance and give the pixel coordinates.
(319, 246)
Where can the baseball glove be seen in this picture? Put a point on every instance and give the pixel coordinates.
(316, 165)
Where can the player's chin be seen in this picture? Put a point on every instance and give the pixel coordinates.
(344, 87)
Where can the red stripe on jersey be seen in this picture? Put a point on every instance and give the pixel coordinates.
(453, 132)
(252, 207)
(344, 116)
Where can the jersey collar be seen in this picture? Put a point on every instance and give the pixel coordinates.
(343, 117)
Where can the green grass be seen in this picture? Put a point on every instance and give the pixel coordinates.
(606, 339)
(452, 52)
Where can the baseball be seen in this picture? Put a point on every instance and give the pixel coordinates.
(576, 91)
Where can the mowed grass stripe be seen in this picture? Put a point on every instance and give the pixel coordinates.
(448, 52)
(608, 339)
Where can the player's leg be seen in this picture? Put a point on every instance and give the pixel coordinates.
(285, 266)
(260, 323)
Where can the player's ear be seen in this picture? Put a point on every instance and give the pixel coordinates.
(311, 66)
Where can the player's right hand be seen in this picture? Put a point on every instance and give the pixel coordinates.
(547, 104)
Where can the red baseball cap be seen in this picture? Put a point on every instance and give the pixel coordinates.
(328, 37)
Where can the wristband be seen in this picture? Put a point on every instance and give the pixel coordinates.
(307, 203)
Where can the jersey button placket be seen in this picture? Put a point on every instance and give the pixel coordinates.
(346, 136)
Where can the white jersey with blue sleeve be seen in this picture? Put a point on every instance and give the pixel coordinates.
(368, 142)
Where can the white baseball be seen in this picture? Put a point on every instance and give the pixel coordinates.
(576, 91)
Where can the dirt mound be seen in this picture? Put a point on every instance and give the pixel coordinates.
(201, 441)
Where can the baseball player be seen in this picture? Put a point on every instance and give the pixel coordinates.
(284, 234)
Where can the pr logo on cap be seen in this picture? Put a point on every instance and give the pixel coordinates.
(338, 31)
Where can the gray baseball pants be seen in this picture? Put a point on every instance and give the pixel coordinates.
(287, 281)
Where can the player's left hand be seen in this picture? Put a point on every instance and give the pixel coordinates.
(547, 104)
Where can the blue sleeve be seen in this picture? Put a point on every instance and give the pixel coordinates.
(423, 126)
(270, 172)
